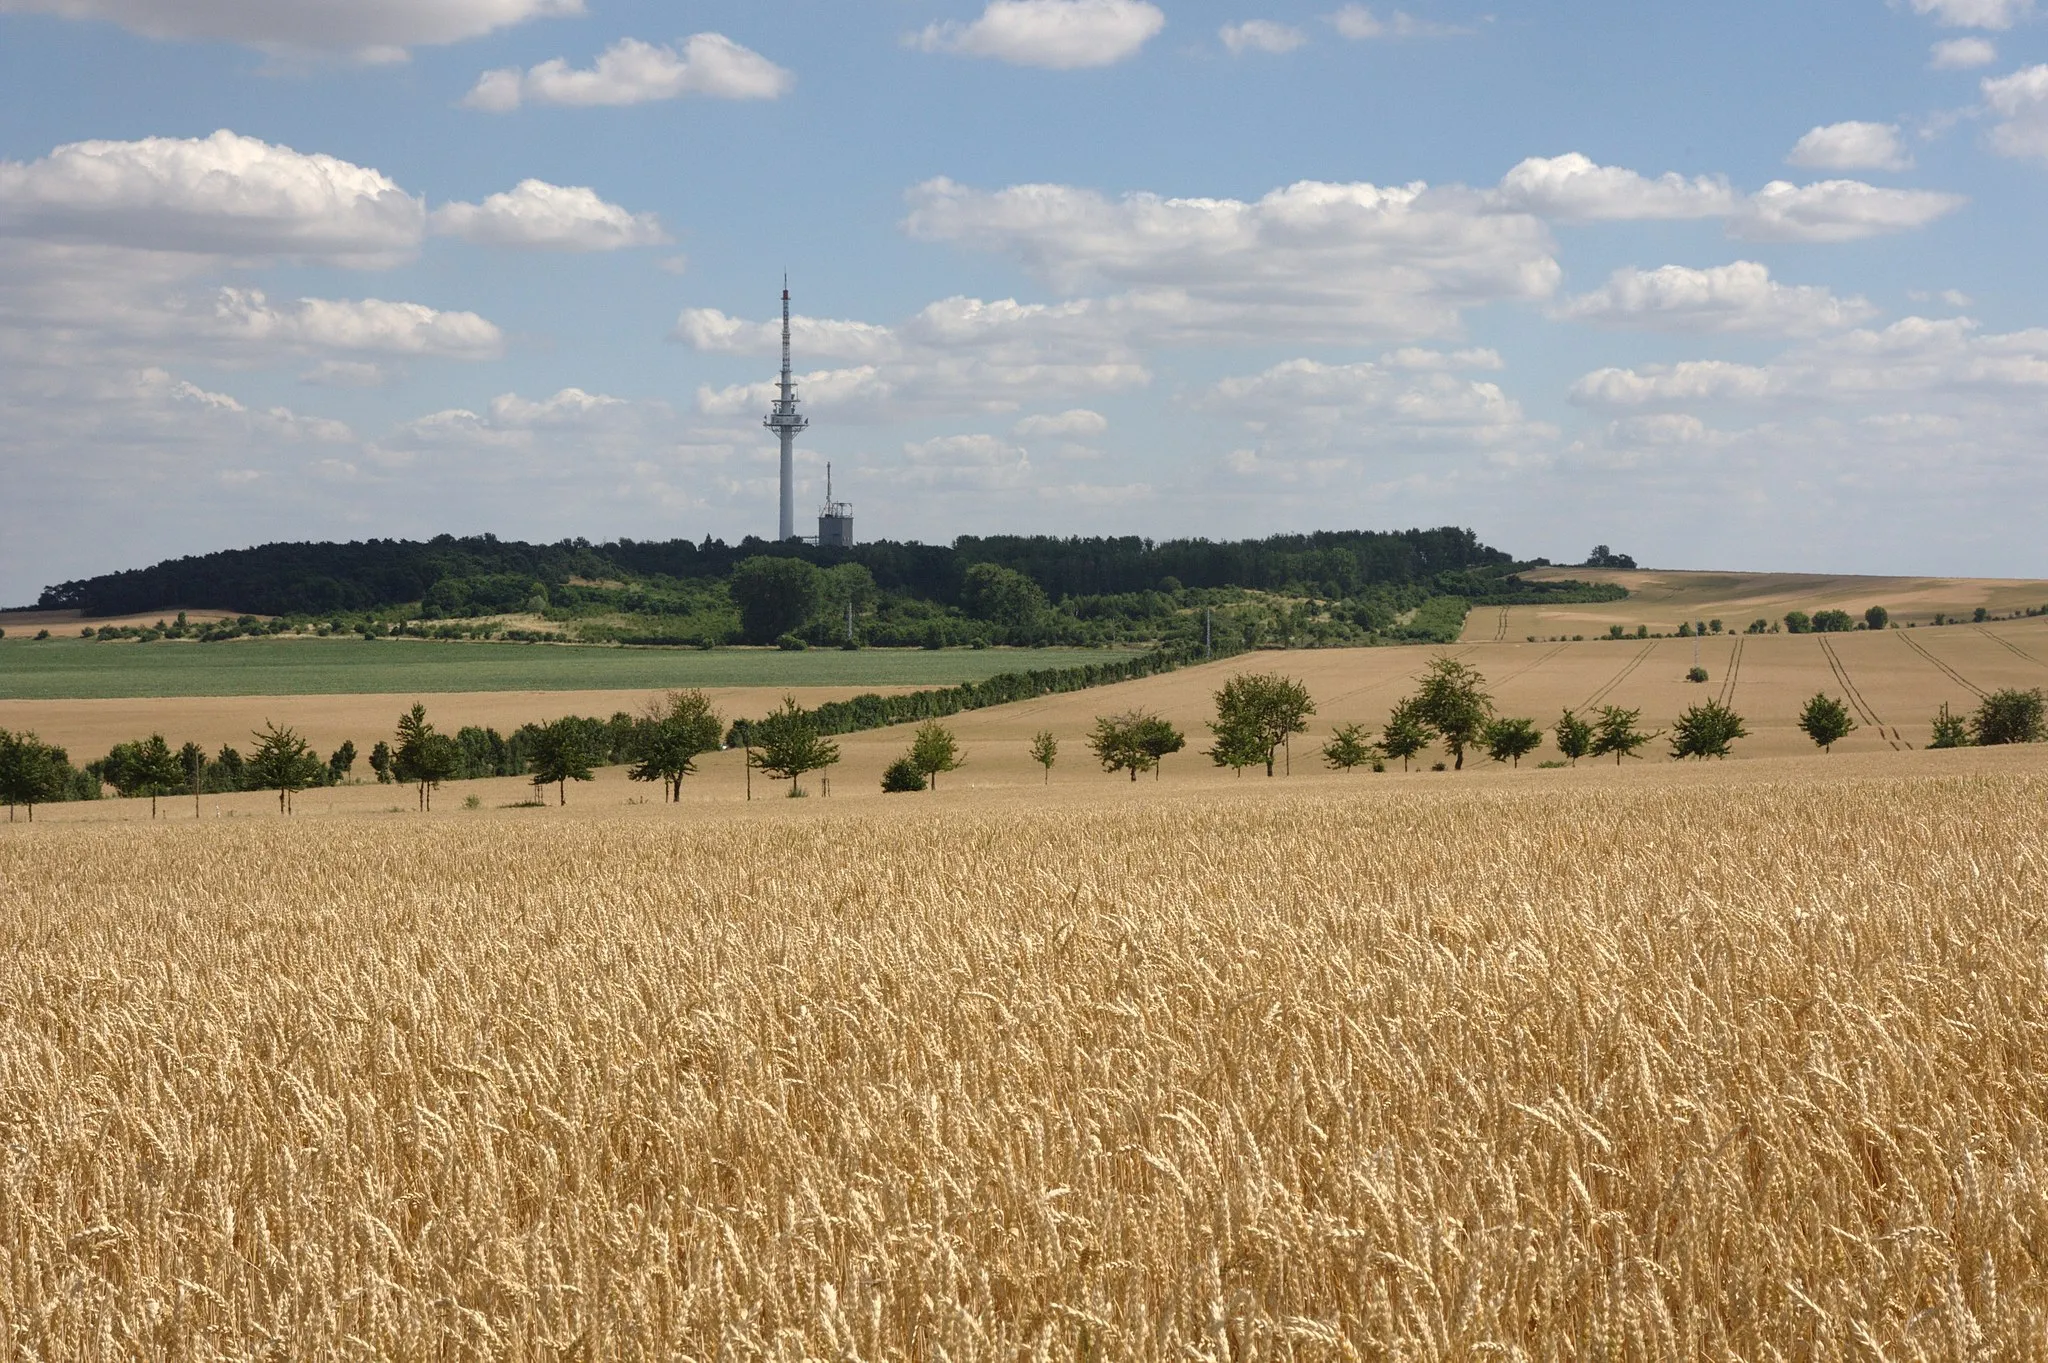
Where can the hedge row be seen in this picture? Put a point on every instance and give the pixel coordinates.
(871, 711)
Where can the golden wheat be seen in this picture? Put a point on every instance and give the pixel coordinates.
(1734, 1072)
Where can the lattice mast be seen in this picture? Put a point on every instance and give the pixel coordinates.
(785, 422)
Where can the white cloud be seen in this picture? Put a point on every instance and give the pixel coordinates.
(1076, 424)
(1962, 54)
(1311, 261)
(1851, 146)
(1997, 14)
(2021, 100)
(220, 195)
(1915, 357)
(1423, 360)
(1062, 35)
(541, 216)
(714, 333)
(1574, 188)
(1360, 24)
(368, 324)
(1738, 297)
(966, 461)
(1838, 210)
(371, 28)
(1260, 35)
(633, 72)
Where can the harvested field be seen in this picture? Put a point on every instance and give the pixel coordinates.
(1745, 1061)
(1900, 677)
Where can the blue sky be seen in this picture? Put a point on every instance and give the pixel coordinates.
(1735, 286)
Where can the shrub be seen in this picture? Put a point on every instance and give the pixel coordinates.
(902, 777)
(2009, 716)
(789, 643)
(1697, 674)
(1950, 729)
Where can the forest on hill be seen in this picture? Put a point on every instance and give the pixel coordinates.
(1328, 587)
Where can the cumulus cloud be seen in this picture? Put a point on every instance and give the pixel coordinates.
(957, 355)
(2021, 102)
(1360, 24)
(377, 29)
(713, 332)
(1260, 35)
(1062, 35)
(1962, 54)
(368, 324)
(1996, 14)
(1310, 261)
(964, 461)
(1076, 424)
(536, 215)
(1838, 210)
(1739, 297)
(1851, 146)
(633, 72)
(1575, 188)
(1913, 357)
(221, 195)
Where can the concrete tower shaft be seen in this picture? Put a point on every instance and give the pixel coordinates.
(784, 420)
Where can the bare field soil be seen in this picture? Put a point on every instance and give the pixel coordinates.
(1899, 679)
(1746, 1061)
(1665, 599)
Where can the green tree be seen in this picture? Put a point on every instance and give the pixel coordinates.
(192, 762)
(1614, 731)
(1877, 617)
(1045, 750)
(341, 762)
(1706, 730)
(1826, 721)
(1951, 730)
(151, 769)
(1453, 702)
(775, 596)
(1833, 622)
(844, 587)
(1573, 735)
(1160, 740)
(790, 745)
(32, 773)
(380, 762)
(1798, 622)
(2009, 716)
(1510, 740)
(933, 749)
(1001, 596)
(1350, 747)
(901, 778)
(1256, 712)
(667, 740)
(557, 754)
(423, 757)
(1119, 742)
(284, 762)
(1405, 734)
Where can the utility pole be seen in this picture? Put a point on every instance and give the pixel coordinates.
(1208, 619)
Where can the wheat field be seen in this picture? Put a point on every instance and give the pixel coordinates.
(1748, 1069)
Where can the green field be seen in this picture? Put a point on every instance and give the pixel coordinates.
(78, 669)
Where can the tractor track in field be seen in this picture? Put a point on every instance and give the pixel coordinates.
(1864, 710)
(1958, 678)
(2010, 647)
(1627, 671)
(1727, 696)
(1500, 630)
(1531, 667)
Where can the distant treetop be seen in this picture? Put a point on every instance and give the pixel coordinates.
(502, 575)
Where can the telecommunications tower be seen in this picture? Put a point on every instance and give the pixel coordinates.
(784, 421)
